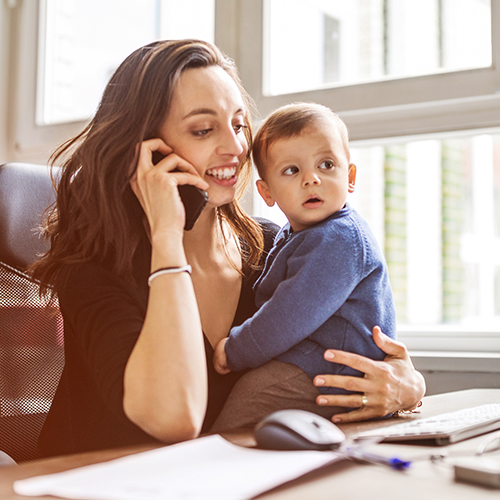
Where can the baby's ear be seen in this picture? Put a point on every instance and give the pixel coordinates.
(352, 178)
(264, 191)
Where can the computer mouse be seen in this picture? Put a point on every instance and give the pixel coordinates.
(297, 430)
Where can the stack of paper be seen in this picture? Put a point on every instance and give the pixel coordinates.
(208, 468)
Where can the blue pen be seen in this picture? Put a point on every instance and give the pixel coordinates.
(394, 462)
(362, 456)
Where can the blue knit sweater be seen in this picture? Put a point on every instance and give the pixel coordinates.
(324, 287)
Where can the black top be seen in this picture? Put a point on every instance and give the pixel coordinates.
(103, 316)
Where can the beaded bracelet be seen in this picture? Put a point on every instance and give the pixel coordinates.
(168, 270)
(400, 413)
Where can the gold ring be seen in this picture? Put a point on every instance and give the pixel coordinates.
(364, 401)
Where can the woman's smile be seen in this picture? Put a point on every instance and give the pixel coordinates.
(224, 175)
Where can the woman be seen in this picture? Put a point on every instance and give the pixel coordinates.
(138, 358)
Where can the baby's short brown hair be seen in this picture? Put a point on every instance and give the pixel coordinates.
(290, 121)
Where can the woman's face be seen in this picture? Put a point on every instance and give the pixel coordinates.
(205, 126)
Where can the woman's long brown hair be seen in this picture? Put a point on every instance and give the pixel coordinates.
(96, 215)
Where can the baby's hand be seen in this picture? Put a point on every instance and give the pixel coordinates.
(220, 360)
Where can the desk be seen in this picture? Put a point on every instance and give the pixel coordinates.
(345, 479)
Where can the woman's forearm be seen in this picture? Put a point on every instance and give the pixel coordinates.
(166, 375)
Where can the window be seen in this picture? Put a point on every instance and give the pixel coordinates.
(436, 214)
(416, 101)
(81, 44)
(416, 81)
(424, 118)
(434, 206)
(338, 42)
(65, 52)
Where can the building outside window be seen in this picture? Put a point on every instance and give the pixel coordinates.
(339, 42)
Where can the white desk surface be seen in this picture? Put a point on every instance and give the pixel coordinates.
(424, 480)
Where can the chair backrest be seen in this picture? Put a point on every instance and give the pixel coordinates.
(31, 330)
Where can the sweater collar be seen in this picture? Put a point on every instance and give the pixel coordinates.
(286, 231)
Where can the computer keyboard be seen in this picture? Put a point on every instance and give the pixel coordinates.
(443, 429)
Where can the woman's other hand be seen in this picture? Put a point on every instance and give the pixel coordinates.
(220, 359)
(155, 186)
(387, 386)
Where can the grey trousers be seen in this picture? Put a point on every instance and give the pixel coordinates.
(271, 387)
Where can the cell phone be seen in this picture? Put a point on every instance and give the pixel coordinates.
(193, 198)
(479, 470)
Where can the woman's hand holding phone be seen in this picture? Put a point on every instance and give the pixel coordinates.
(193, 198)
(156, 186)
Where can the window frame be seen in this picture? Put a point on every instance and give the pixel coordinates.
(444, 104)
(31, 142)
(438, 103)
(410, 106)
(27, 140)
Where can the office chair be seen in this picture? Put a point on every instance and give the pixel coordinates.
(31, 330)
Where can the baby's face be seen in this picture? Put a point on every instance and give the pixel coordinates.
(308, 176)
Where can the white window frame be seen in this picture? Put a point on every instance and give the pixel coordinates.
(412, 106)
(445, 102)
(29, 141)
(415, 107)
(405, 107)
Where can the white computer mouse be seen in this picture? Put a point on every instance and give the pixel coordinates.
(297, 430)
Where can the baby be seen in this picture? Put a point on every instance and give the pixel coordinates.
(325, 284)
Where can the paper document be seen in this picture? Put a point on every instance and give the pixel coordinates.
(208, 468)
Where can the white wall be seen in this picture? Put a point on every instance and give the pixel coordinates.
(444, 381)
(4, 75)
(21, 139)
